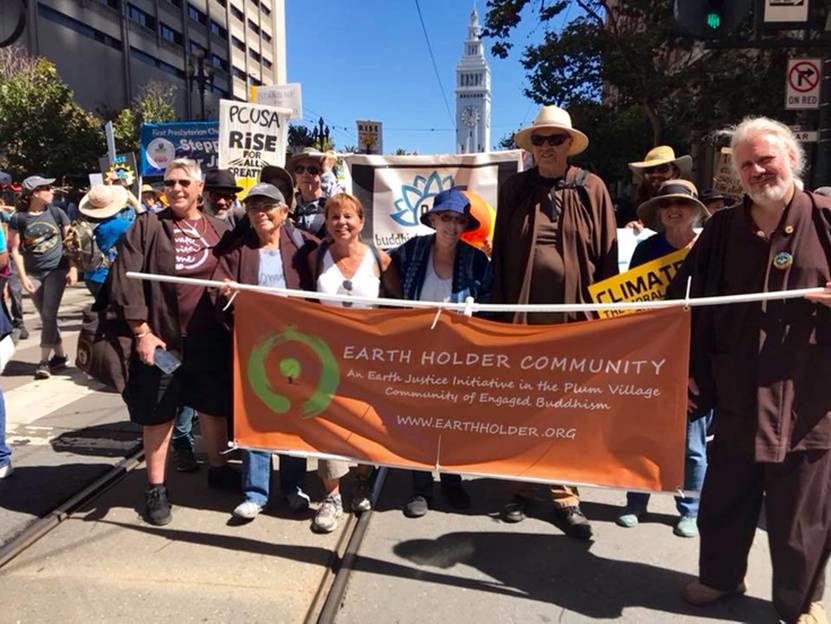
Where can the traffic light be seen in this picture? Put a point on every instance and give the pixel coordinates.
(711, 19)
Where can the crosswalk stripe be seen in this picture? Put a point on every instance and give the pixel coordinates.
(36, 399)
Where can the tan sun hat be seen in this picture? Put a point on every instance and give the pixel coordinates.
(552, 118)
(326, 159)
(662, 155)
(671, 189)
(104, 200)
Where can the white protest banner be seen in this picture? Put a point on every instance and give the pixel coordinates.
(251, 136)
(284, 96)
(396, 190)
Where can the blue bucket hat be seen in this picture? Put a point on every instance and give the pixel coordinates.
(452, 200)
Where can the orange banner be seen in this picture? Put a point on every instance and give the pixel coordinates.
(600, 402)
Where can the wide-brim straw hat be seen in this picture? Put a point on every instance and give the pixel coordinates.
(662, 155)
(669, 190)
(326, 159)
(104, 200)
(552, 118)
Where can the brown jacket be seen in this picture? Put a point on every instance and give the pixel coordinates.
(765, 366)
(588, 239)
(148, 247)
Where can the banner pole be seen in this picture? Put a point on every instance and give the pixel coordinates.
(484, 307)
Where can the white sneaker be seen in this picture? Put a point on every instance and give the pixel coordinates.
(6, 471)
(327, 516)
(248, 510)
(360, 497)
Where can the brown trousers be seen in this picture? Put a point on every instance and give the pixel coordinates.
(798, 513)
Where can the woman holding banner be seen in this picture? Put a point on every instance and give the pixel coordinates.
(267, 250)
(181, 353)
(673, 214)
(441, 267)
(348, 266)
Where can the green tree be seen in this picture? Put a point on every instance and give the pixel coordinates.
(631, 79)
(43, 129)
(153, 104)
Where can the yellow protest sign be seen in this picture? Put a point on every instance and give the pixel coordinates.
(647, 282)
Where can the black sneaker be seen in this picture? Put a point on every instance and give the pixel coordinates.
(42, 371)
(157, 505)
(515, 510)
(416, 507)
(456, 496)
(185, 460)
(224, 478)
(573, 523)
(24, 333)
(58, 363)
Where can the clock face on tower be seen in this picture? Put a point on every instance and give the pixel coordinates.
(470, 116)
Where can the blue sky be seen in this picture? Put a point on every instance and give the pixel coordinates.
(368, 59)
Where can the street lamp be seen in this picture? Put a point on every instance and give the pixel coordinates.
(321, 134)
(201, 75)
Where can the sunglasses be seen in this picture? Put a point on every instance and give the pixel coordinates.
(261, 207)
(452, 218)
(311, 169)
(184, 183)
(665, 168)
(229, 197)
(552, 139)
(347, 286)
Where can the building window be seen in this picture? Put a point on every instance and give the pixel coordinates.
(253, 26)
(238, 73)
(266, 63)
(266, 37)
(239, 45)
(140, 17)
(151, 60)
(256, 83)
(170, 35)
(223, 3)
(177, 3)
(218, 61)
(237, 13)
(218, 30)
(254, 54)
(219, 91)
(113, 4)
(79, 27)
(196, 15)
(265, 9)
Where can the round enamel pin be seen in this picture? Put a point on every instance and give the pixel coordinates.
(788, 229)
(783, 260)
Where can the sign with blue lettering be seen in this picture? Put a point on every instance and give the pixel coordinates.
(162, 142)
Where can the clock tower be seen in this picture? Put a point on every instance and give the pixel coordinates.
(473, 95)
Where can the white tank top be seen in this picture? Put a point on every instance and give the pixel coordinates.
(363, 284)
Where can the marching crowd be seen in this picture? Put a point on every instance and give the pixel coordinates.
(757, 370)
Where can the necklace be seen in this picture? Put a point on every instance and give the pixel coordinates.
(194, 233)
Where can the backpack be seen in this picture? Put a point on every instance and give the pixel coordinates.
(80, 247)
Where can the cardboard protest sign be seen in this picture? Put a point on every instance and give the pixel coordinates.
(251, 136)
(589, 402)
(647, 282)
(396, 190)
(163, 142)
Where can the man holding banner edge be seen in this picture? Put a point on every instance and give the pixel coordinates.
(765, 367)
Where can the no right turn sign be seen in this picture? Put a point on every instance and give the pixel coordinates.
(803, 84)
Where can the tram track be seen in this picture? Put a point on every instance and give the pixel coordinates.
(330, 594)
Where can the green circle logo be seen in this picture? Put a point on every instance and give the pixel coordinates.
(291, 369)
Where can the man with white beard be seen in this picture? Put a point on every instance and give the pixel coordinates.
(765, 367)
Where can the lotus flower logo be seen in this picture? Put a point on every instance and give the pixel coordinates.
(413, 202)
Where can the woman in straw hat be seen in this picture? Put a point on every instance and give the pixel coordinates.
(673, 213)
(107, 208)
(659, 165)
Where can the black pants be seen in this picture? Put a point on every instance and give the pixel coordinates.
(798, 513)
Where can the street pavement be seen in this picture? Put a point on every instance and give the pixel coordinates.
(104, 564)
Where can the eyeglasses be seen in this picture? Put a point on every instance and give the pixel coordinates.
(665, 168)
(552, 139)
(310, 169)
(184, 183)
(347, 286)
(447, 217)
